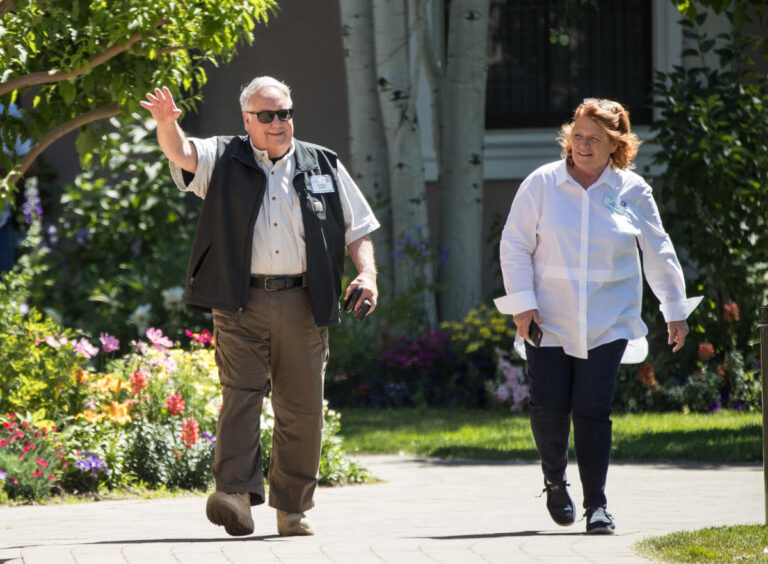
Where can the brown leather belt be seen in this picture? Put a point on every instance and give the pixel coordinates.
(276, 283)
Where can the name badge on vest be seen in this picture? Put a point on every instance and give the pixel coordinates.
(321, 184)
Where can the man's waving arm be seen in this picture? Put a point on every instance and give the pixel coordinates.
(170, 137)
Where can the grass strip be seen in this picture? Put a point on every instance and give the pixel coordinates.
(739, 543)
(493, 434)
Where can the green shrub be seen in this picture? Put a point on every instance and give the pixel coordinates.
(713, 147)
(117, 253)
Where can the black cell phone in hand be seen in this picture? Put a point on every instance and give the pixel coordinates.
(351, 301)
(534, 333)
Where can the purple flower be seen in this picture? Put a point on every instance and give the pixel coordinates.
(92, 463)
(82, 235)
(86, 349)
(3, 475)
(714, 406)
(169, 364)
(83, 465)
(31, 207)
(109, 343)
(157, 338)
(208, 436)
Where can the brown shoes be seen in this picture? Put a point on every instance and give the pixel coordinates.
(293, 524)
(232, 511)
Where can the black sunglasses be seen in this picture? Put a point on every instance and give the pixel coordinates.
(266, 116)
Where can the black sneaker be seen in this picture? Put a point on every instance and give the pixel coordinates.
(599, 521)
(559, 503)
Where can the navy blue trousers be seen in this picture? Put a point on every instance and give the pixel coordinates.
(7, 243)
(562, 387)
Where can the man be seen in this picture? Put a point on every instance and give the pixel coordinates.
(7, 235)
(267, 259)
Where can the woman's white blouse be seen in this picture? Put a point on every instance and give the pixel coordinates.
(573, 254)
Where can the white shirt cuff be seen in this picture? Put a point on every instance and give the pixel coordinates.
(677, 311)
(512, 304)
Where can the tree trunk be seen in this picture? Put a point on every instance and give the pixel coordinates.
(463, 128)
(410, 228)
(369, 163)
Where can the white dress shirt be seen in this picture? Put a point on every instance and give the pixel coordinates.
(278, 237)
(573, 254)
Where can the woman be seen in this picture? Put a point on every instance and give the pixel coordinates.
(570, 261)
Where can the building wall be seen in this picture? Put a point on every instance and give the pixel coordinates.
(301, 46)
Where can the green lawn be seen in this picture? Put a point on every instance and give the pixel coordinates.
(725, 436)
(740, 543)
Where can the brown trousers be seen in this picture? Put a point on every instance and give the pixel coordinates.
(274, 337)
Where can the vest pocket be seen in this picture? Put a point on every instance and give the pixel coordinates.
(199, 264)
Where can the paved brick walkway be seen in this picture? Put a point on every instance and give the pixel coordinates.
(423, 510)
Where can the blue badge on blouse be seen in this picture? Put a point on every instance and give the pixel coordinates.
(616, 205)
(321, 184)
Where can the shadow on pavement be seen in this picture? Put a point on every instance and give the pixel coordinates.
(153, 541)
(502, 535)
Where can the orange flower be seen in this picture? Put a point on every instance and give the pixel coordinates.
(647, 376)
(189, 431)
(731, 311)
(175, 403)
(138, 381)
(706, 351)
(81, 376)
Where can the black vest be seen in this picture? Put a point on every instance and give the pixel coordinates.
(218, 275)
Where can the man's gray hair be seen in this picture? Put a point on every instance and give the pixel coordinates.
(262, 82)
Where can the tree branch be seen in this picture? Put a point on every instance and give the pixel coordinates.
(5, 7)
(96, 114)
(49, 77)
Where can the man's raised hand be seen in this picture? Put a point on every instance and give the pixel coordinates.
(161, 105)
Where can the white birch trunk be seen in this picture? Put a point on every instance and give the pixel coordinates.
(462, 125)
(369, 162)
(406, 168)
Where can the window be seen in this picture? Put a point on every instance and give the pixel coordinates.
(535, 83)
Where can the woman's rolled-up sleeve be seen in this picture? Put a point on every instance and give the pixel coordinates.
(516, 248)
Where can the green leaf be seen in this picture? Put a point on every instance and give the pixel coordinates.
(67, 90)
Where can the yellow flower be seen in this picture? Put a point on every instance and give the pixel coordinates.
(485, 333)
(118, 412)
(90, 416)
(108, 383)
(473, 346)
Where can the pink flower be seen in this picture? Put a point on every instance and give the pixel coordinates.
(56, 342)
(108, 342)
(175, 403)
(86, 349)
(157, 338)
(204, 337)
